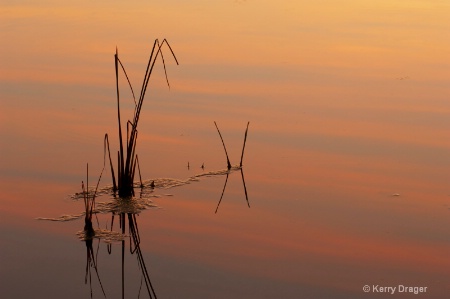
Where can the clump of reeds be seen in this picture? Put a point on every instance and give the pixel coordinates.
(126, 156)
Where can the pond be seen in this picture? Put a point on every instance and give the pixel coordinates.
(344, 186)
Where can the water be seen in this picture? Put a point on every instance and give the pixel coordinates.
(346, 163)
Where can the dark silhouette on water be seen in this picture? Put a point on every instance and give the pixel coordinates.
(225, 185)
(225, 148)
(123, 188)
(92, 263)
(135, 248)
(127, 160)
(229, 167)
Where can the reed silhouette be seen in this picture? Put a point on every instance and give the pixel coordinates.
(89, 232)
(134, 239)
(230, 168)
(89, 203)
(123, 187)
(225, 148)
(127, 159)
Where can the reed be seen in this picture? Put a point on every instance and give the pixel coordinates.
(135, 248)
(134, 232)
(91, 262)
(234, 167)
(225, 186)
(126, 157)
(225, 148)
(89, 203)
(243, 147)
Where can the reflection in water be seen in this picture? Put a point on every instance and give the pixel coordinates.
(231, 167)
(135, 248)
(128, 208)
(136, 205)
(134, 231)
(92, 263)
(134, 241)
(335, 130)
(89, 233)
(225, 185)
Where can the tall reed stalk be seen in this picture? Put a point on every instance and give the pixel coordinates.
(127, 158)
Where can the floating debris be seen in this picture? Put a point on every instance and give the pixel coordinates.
(116, 206)
(125, 205)
(395, 194)
(137, 204)
(107, 236)
(63, 218)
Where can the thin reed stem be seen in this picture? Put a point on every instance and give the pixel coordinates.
(243, 147)
(245, 188)
(139, 170)
(129, 83)
(121, 165)
(223, 191)
(228, 160)
(106, 146)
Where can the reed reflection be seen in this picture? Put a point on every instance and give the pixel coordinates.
(134, 248)
(125, 208)
(89, 234)
(231, 168)
(225, 185)
(91, 262)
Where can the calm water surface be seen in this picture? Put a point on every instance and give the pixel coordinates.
(346, 166)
